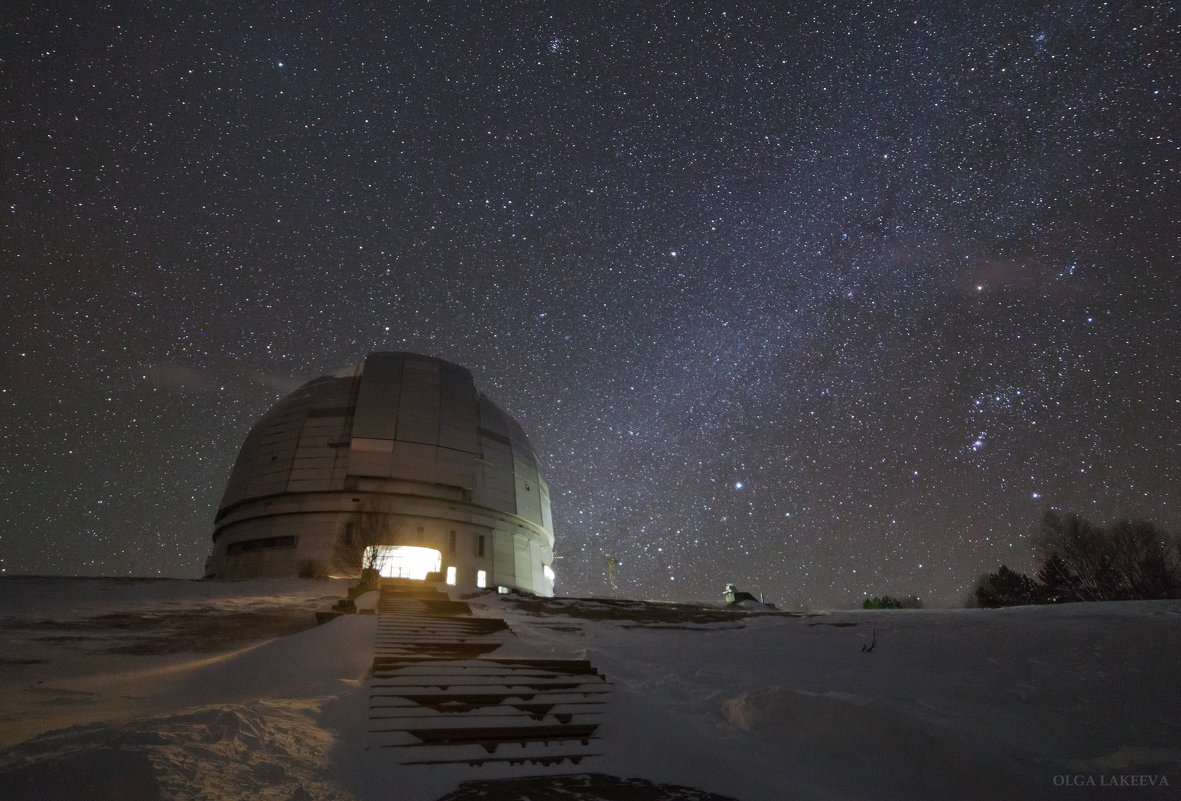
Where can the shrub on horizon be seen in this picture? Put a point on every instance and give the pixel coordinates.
(888, 602)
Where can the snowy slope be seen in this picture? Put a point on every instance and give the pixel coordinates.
(171, 689)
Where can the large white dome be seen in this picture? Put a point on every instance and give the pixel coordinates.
(403, 437)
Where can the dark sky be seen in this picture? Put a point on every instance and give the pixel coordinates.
(822, 300)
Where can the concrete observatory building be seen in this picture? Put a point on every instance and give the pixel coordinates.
(402, 451)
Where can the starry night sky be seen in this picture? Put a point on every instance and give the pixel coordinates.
(822, 300)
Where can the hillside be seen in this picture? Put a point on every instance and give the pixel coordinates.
(117, 688)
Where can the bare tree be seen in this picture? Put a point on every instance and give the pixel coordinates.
(359, 549)
(1129, 560)
(1140, 559)
(1073, 549)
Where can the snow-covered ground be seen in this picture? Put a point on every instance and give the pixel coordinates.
(145, 689)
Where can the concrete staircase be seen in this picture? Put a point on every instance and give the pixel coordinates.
(436, 699)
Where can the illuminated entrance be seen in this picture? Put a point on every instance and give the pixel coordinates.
(404, 561)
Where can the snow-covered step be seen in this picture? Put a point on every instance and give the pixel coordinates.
(537, 755)
(495, 671)
(424, 608)
(475, 627)
(438, 650)
(436, 699)
(504, 719)
(475, 711)
(489, 697)
(432, 626)
(525, 691)
(464, 747)
(561, 712)
(462, 692)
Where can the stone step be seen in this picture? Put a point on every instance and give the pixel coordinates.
(413, 608)
(560, 711)
(437, 650)
(435, 698)
(475, 625)
(478, 758)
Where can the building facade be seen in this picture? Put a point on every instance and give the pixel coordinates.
(399, 460)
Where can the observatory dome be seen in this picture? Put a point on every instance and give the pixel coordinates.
(398, 461)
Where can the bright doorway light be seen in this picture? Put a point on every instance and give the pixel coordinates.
(405, 561)
(451, 575)
(481, 578)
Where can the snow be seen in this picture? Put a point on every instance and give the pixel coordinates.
(116, 688)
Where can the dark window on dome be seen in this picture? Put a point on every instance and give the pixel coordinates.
(501, 438)
(264, 542)
(451, 541)
(339, 411)
(480, 546)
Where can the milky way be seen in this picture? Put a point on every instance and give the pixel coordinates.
(823, 301)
